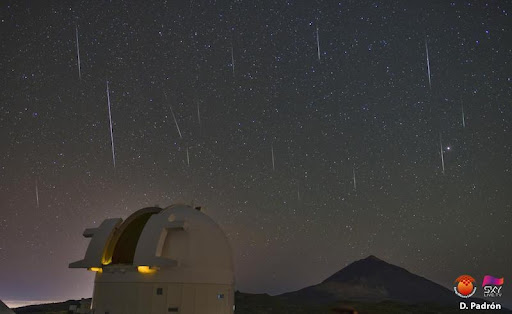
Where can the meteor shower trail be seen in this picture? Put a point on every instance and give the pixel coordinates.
(463, 117)
(78, 55)
(273, 160)
(37, 195)
(111, 128)
(233, 61)
(441, 150)
(428, 65)
(354, 178)
(176, 122)
(318, 43)
(198, 115)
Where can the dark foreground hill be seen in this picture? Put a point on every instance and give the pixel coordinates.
(4, 309)
(53, 308)
(265, 304)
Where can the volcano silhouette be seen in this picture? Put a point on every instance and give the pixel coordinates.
(373, 280)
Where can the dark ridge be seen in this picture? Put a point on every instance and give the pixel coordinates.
(47, 308)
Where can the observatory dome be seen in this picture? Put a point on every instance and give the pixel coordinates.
(175, 259)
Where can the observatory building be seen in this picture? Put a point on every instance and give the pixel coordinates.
(172, 260)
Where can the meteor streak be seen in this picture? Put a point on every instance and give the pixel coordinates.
(273, 160)
(428, 65)
(354, 178)
(78, 55)
(176, 122)
(441, 150)
(37, 195)
(318, 43)
(198, 115)
(111, 128)
(232, 60)
(463, 117)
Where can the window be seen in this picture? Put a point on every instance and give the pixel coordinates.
(159, 291)
(220, 296)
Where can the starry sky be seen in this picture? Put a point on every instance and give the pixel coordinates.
(280, 105)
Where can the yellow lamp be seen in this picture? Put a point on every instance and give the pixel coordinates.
(145, 270)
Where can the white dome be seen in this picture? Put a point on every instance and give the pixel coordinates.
(175, 244)
(158, 261)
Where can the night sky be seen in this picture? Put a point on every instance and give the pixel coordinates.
(318, 93)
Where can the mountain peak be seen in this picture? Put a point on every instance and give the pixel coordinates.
(372, 279)
(373, 258)
(362, 269)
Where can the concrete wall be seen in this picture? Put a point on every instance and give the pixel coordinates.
(142, 298)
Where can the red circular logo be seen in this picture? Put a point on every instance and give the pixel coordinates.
(464, 286)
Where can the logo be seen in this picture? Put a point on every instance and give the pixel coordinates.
(465, 287)
(492, 286)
